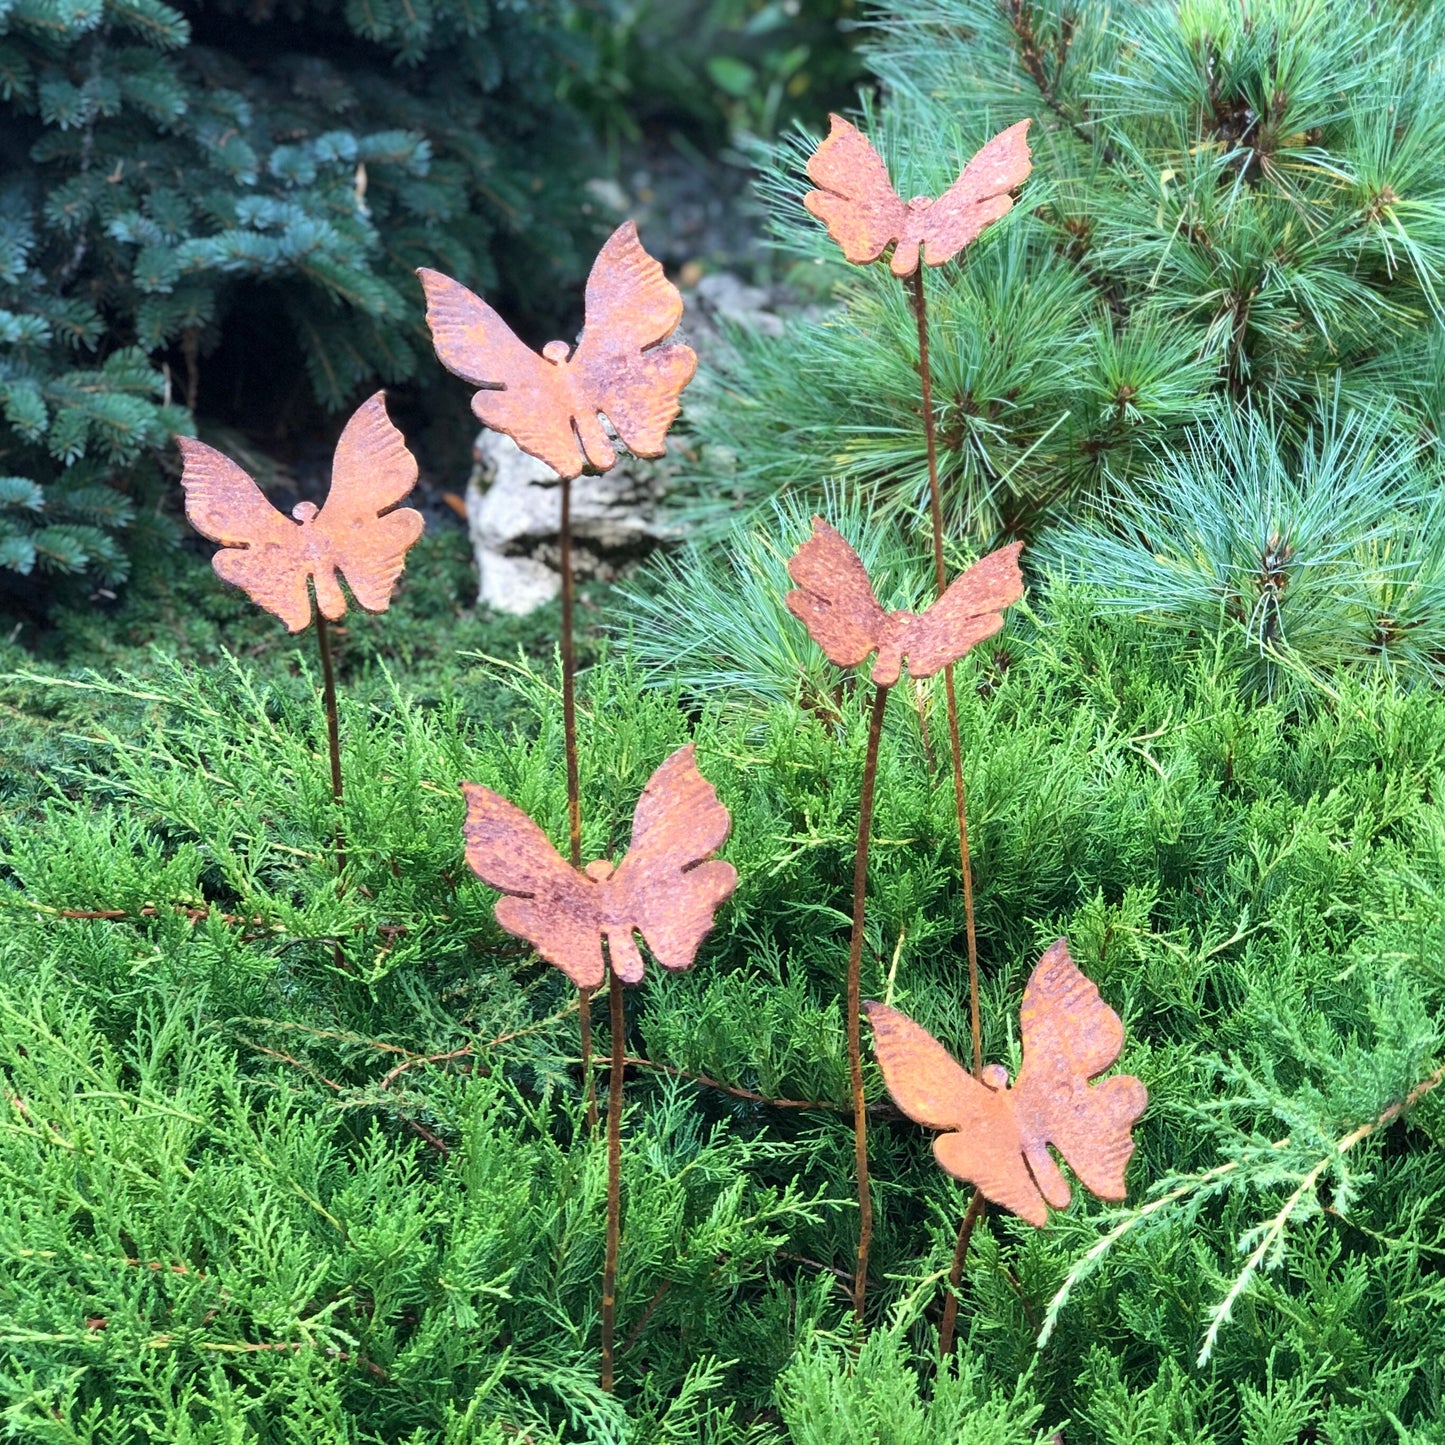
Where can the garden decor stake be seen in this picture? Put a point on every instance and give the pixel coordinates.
(865, 215)
(667, 888)
(550, 404)
(835, 601)
(999, 1133)
(361, 532)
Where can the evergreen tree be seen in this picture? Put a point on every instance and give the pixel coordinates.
(173, 178)
(1236, 202)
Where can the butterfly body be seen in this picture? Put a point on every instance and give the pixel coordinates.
(360, 533)
(550, 404)
(999, 1135)
(864, 214)
(834, 599)
(666, 888)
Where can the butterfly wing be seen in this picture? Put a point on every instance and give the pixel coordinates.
(834, 600)
(261, 550)
(623, 372)
(979, 197)
(666, 888)
(522, 394)
(365, 531)
(855, 200)
(1069, 1035)
(969, 610)
(933, 1090)
(544, 900)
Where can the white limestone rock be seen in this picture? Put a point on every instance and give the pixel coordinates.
(512, 514)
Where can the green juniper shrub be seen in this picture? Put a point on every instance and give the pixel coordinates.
(178, 607)
(246, 1194)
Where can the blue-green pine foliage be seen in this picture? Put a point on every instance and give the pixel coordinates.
(164, 168)
(1234, 228)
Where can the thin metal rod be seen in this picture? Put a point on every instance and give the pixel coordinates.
(935, 507)
(614, 1177)
(955, 1275)
(574, 794)
(333, 729)
(955, 745)
(855, 989)
(569, 680)
(589, 1082)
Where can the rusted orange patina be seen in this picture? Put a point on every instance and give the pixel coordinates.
(665, 888)
(549, 404)
(865, 215)
(835, 601)
(1000, 1135)
(360, 532)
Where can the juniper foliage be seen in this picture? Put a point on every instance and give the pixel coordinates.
(248, 1195)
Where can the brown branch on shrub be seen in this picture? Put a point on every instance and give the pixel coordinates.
(879, 1110)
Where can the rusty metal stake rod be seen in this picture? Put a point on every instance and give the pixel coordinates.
(955, 1275)
(935, 507)
(333, 729)
(614, 1177)
(855, 990)
(574, 793)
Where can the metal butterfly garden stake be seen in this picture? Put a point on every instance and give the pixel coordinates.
(549, 404)
(552, 406)
(667, 888)
(999, 1134)
(360, 533)
(834, 599)
(864, 214)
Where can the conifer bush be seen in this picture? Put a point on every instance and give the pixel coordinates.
(248, 1195)
(262, 176)
(1227, 202)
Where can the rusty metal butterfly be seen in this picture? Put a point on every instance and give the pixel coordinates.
(360, 532)
(865, 215)
(835, 601)
(665, 888)
(1000, 1134)
(549, 404)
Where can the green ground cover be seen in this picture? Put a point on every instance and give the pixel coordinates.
(236, 1202)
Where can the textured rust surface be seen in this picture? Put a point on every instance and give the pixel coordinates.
(1000, 1134)
(835, 601)
(666, 888)
(549, 404)
(270, 556)
(865, 215)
